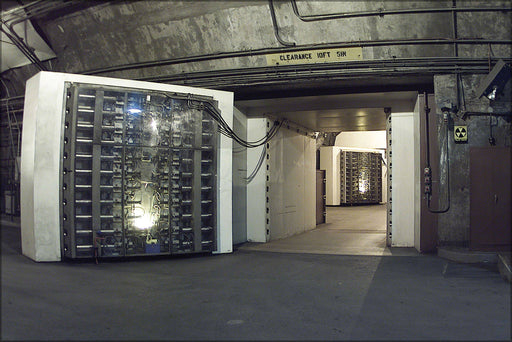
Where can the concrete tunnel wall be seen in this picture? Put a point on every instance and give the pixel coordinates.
(117, 33)
(454, 226)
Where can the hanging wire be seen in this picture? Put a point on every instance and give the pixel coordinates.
(223, 126)
(258, 165)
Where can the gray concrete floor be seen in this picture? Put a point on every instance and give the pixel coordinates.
(354, 230)
(250, 295)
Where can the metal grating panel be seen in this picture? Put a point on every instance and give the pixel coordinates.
(361, 177)
(139, 173)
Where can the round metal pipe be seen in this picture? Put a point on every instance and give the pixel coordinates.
(12, 98)
(49, 7)
(22, 46)
(264, 75)
(382, 12)
(276, 27)
(21, 7)
(259, 52)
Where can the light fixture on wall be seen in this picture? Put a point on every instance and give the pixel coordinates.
(495, 81)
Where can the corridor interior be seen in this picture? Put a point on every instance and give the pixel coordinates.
(349, 230)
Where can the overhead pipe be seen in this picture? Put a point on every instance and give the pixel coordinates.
(264, 51)
(290, 46)
(454, 28)
(22, 7)
(22, 46)
(6, 99)
(43, 10)
(223, 79)
(29, 11)
(447, 164)
(276, 27)
(383, 12)
(398, 65)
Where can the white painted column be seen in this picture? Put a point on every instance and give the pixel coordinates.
(256, 191)
(418, 176)
(403, 179)
(330, 162)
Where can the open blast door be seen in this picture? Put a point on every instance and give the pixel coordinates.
(115, 168)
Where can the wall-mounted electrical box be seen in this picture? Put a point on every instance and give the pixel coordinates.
(128, 168)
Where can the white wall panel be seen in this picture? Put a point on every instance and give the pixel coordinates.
(364, 139)
(256, 195)
(330, 162)
(403, 179)
(28, 224)
(418, 175)
(291, 184)
(239, 179)
(309, 183)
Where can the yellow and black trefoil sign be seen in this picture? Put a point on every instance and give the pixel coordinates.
(460, 133)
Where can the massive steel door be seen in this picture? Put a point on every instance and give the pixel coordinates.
(139, 173)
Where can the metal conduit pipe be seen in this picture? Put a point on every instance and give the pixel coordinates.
(446, 163)
(22, 46)
(20, 97)
(264, 51)
(276, 27)
(267, 75)
(264, 75)
(256, 80)
(367, 66)
(383, 12)
(22, 7)
(48, 7)
(29, 11)
(480, 63)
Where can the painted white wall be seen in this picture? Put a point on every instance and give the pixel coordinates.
(384, 178)
(256, 189)
(49, 243)
(418, 175)
(330, 162)
(403, 204)
(291, 183)
(309, 183)
(239, 179)
(364, 139)
(41, 160)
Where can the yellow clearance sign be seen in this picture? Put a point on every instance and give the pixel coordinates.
(315, 56)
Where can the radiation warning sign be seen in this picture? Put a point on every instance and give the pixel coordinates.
(460, 133)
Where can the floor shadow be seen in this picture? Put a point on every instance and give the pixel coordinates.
(11, 240)
(436, 300)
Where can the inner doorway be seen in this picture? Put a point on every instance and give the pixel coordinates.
(330, 113)
(357, 184)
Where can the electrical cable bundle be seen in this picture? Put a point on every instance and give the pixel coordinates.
(224, 128)
(257, 167)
